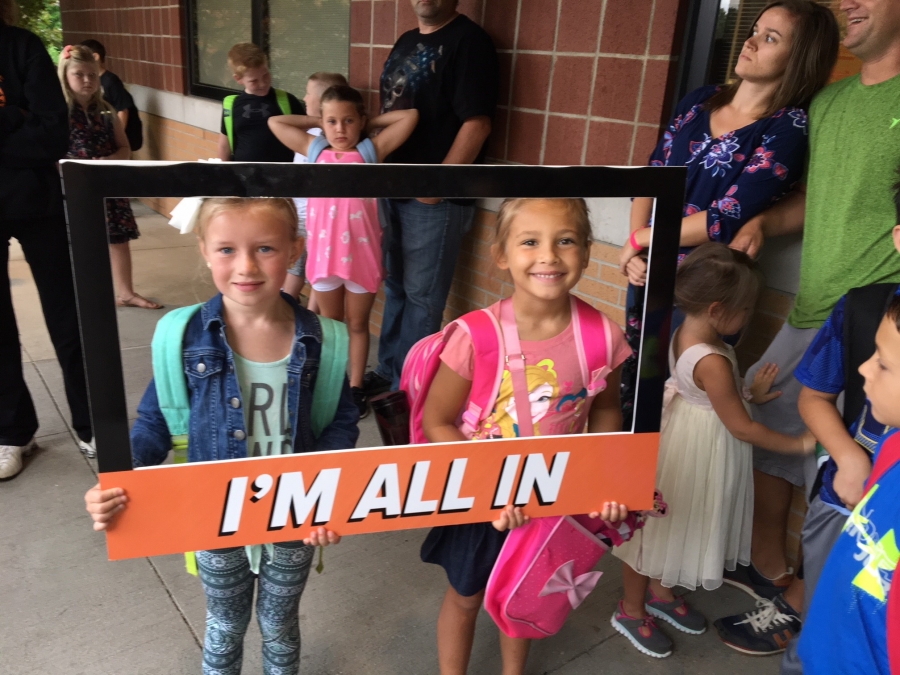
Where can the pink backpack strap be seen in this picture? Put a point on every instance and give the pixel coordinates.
(593, 342)
(484, 330)
(515, 361)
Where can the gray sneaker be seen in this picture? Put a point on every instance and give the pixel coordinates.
(644, 634)
(677, 613)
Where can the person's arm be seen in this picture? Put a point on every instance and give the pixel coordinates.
(446, 397)
(606, 411)
(693, 233)
(466, 146)
(123, 151)
(785, 217)
(224, 148)
(714, 375)
(469, 140)
(396, 126)
(291, 131)
(34, 131)
(819, 411)
(123, 117)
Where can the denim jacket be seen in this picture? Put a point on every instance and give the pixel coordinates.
(217, 430)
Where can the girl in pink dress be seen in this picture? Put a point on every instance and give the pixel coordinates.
(344, 234)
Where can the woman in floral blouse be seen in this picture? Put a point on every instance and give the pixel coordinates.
(744, 144)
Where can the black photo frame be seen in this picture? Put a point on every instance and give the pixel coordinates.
(88, 184)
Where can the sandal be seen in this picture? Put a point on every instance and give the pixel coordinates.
(137, 301)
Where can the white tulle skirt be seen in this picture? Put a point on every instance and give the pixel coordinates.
(706, 477)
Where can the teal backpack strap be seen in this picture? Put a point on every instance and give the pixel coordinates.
(228, 117)
(366, 149)
(171, 386)
(168, 375)
(316, 146)
(283, 101)
(332, 371)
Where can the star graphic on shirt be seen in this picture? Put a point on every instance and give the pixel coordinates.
(894, 122)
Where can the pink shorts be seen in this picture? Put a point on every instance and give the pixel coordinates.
(334, 282)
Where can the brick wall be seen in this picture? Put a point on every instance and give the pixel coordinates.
(581, 82)
(142, 38)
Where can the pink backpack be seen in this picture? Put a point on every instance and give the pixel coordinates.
(544, 570)
(491, 345)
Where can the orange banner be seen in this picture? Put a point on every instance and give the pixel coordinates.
(192, 507)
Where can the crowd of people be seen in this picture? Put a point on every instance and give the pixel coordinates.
(774, 152)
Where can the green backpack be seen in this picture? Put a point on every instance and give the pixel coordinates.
(228, 112)
(172, 389)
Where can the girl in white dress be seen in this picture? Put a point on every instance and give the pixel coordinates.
(705, 468)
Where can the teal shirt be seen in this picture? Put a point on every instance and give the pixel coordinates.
(853, 159)
(264, 393)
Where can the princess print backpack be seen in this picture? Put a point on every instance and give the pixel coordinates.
(493, 347)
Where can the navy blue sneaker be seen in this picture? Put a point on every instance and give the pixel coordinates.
(766, 630)
(752, 582)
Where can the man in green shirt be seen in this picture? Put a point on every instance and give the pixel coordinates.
(846, 214)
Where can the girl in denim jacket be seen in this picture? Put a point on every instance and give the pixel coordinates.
(248, 356)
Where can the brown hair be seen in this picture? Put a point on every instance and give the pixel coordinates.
(814, 51)
(9, 12)
(713, 272)
(347, 94)
(215, 205)
(329, 79)
(81, 54)
(245, 55)
(97, 47)
(576, 212)
(893, 311)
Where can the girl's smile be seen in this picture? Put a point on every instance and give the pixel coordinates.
(543, 251)
(248, 262)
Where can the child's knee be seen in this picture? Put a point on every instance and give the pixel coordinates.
(465, 603)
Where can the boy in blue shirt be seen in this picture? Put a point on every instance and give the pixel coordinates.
(828, 369)
(853, 623)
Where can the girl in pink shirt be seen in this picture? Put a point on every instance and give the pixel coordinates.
(544, 244)
(344, 234)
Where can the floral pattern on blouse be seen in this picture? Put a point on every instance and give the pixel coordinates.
(739, 174)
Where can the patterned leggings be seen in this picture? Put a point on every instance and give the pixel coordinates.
(228, 584)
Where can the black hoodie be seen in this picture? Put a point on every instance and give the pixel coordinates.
(34, 127)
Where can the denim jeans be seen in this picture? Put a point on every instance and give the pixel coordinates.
(421, 245)
(228, 584)
(45, 244)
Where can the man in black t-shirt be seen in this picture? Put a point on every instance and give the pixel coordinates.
(117, 96)
(250, 111)
(447, 70)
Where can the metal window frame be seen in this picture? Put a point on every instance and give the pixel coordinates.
(258, 33)
(699, 39)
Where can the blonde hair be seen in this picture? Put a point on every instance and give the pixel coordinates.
(246, 55)
(213, 206)
(329, 79)
(576, 211)
(81, 54)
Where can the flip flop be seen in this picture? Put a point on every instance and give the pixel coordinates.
(137, 301)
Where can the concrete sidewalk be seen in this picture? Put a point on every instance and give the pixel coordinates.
(66, 610)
